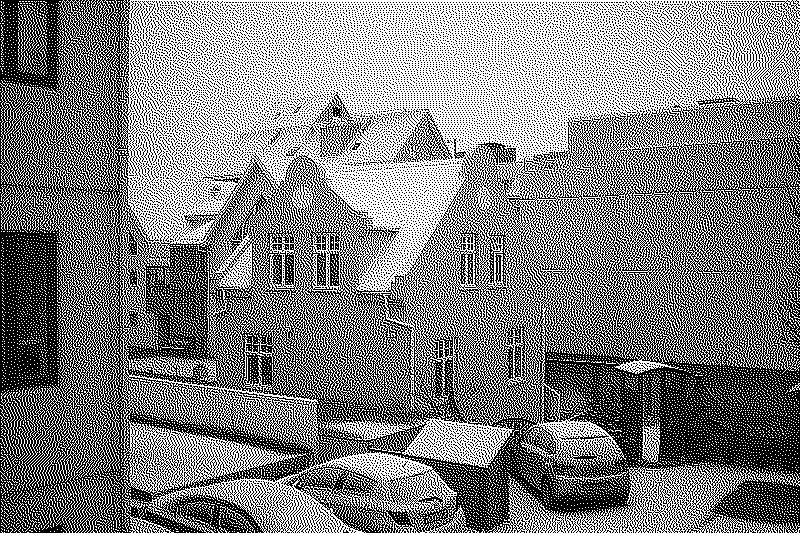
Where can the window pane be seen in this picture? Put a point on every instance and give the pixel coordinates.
(289, 269)
(201, 511)
(252, 368)
(231, 521)
(334, 269)
(32, 34)
(322, 273)
(448, 375)
(463, 269)
(510, 362)
(277, 274)
(437, 379)
(266, 369)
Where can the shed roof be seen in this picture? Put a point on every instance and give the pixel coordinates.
(456, 442)
(641, 367)
(410, 197)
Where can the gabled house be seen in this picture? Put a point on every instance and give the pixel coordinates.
(383, 288)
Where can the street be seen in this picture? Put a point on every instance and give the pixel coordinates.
(672, 499)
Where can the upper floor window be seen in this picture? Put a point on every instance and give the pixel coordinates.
(282, 252)
(133, 247)
(134, 277)
(28, 310)
(29, 42)
(133, 319)
(515, 353)
(238, 236)
(258, 352)
(443, 357)
(326, 264)
(497, 260)
(468, 259)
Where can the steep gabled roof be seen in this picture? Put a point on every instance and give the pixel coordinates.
(411, 197)
(383, 138)
(194, 235)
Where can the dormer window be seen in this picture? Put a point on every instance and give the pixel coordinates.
(356, 146)
(336, 112)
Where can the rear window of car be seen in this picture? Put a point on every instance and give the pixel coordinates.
(762, 501)
(417, 487)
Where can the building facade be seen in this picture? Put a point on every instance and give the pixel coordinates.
(63, 192)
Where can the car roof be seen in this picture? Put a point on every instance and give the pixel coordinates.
(379, 466)
(262, 498)
(574, 429)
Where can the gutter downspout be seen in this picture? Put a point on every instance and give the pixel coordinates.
(412, 354)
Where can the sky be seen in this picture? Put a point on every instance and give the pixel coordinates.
(201, 73)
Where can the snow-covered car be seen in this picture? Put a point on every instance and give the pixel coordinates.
(383, 492)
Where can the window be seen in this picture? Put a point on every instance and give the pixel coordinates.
(133, 247)
(282, 251)
(336, 112)
(134, 277)
(232, 520)
(292, 151)
(326, 264)
(321, 478)
(356, 146)
(237, 237)
(29, 42)
(28, 310)
(443, 352)
(515, 353)
(198, 510)
(133, 318)
(497, 260)
(258, 352)
(468, 260)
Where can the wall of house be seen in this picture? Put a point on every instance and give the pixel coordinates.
(480, 319)
(64, 448)
(329, 345)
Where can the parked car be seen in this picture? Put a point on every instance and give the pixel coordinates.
(756, 507)
(383, 492)
(573, 461)
(241, 506)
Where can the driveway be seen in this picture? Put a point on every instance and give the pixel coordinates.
(662, 499)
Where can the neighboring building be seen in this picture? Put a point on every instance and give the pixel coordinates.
(63, 192)
(672, 236)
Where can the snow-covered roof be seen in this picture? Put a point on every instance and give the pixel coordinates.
(237, 270)
(457, 442)
(194, 236)
(383, 138)
(409, 197)
(640, 367)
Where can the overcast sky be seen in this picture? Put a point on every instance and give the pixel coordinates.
(513, 73)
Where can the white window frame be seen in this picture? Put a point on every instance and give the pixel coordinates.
(282, 246)
(467, 260)
(444, 350)
(327, 245)
(497, 260)
(515, 354)
(262, 347)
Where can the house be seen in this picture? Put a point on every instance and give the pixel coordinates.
(671, 236)
(247, 173)
(63, 192)
(380, 288)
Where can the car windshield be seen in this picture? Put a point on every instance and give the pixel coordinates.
(417, 487)
(761, 501)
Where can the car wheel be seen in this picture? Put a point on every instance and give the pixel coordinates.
(546, 490)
